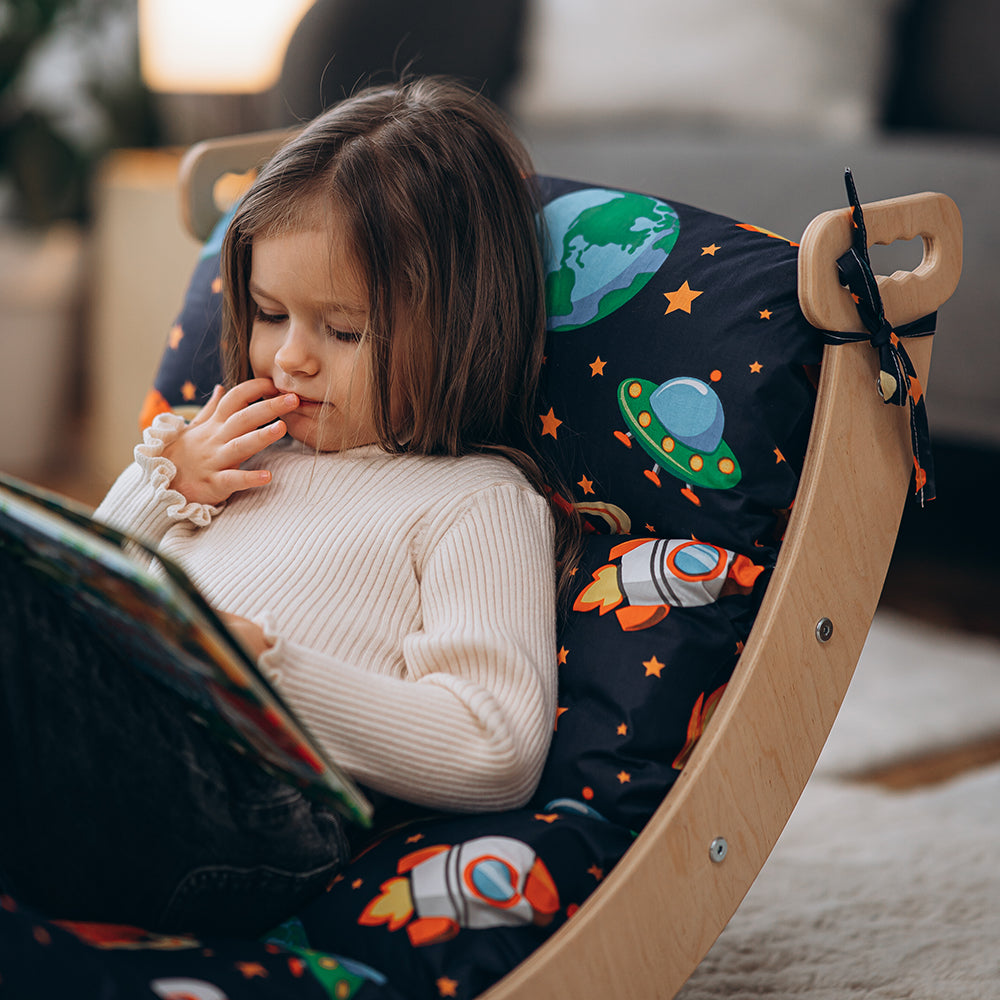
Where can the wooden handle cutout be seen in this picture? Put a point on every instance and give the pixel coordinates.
(206, 162)
(906, 295)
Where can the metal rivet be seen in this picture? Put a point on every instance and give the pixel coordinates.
(718, 849)
(824, 630)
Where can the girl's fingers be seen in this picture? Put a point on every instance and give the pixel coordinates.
(211, 404)
(260, 413)
(242, 395)
(239, 449)
(236, 480)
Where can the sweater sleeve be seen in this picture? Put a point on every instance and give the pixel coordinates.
(469, 725)
(141, 501)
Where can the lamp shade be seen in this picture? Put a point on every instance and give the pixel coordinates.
(215, 46)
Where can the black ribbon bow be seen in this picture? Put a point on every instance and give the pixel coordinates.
(897, 381)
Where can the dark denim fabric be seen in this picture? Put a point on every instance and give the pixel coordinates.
(116, 806)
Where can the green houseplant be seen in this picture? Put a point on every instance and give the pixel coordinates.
(69, 92)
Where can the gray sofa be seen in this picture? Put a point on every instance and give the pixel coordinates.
(781, 183)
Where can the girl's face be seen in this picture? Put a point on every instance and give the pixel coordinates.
(311, 309)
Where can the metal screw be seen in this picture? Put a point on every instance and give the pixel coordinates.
(718, 849)
(824, 630)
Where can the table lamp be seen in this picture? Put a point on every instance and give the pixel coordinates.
(213, 64)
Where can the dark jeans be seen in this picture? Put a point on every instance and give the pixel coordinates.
(116, 806)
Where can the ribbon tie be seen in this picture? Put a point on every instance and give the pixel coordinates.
(897, 381)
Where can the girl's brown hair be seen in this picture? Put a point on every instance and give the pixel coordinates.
(436, 196)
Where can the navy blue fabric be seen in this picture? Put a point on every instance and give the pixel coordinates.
(897, 381)
(676, 404)
(42, 959)
(718, 321)
(191, 364)
(453, 903)
(632, 702)
(722, 309)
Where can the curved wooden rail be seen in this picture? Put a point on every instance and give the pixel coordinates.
(654, 917)
(651, 921)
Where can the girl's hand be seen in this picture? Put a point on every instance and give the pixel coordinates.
(250, 634)
(230, 428)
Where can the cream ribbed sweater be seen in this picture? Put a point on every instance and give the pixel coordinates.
(410, 601)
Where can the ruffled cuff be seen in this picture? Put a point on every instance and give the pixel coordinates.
(159, 471)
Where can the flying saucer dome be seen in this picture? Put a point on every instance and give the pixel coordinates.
(679, 424)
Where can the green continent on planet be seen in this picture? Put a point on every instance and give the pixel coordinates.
(605, 247)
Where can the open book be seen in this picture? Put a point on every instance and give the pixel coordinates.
(164, 627)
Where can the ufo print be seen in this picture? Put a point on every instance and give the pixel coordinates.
(679, 424)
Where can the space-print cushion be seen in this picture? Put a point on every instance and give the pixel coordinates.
(443, 907)
(655, 630)
(676, 404)
(677, 400)
(46, 959)
(191, 364)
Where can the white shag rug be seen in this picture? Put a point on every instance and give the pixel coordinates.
(880, 894)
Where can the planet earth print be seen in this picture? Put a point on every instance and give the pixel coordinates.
(603, 247)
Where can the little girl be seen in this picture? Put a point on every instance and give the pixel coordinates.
(360, 501)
